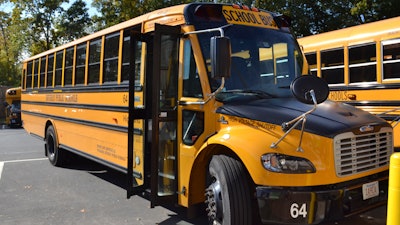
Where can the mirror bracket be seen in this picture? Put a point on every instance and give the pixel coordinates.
(309, 90)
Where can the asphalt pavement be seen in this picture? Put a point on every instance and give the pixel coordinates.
(33, 192)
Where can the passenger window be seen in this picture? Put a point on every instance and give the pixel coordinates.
(69, 63)
(332, 66)
(111, 49)
(29, 75)
(362, 63)
(391, 59)
(80, 64)
(36, 74)
(312, 62)
(191, 79)
(50, 66)
(42, 71)
(59, 64)
(126, 60)
(94, 61)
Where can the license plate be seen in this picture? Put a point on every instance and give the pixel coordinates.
(370, 190)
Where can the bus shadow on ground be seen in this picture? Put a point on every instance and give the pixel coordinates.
(76, 162)
(117, 178)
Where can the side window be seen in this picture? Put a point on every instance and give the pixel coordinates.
(29, 75)
(125, 58)
(312, 62)
(362, 63)
(193, 126)
(42, 71)
(332, 66)
(126, 62)
(23, 78)
(80, 64)
(391, 59)
(191, 79)
(68, 68)
(111, 50)
(59, 68)
(36, 73)
(50, 67)
(94, 61)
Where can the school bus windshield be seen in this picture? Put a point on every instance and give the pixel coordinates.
(264, 61)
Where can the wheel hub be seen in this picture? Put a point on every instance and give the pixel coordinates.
(214, 202)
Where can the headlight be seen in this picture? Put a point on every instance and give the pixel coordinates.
(286, 164)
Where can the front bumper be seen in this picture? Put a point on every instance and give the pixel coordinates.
(313, 205)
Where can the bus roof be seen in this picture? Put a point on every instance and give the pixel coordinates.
(172, 16)
(175, 15)
(369, 32)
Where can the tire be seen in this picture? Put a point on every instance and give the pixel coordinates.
(228, 197)
(54, 154)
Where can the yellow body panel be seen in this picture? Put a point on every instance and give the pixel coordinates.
(250, 142)
(74, 123)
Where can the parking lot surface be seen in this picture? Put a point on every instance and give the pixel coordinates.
(32, 191)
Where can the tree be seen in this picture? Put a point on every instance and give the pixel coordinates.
(116, 11)
(373, 10)
(73, 23)
(9, 52)
(40, 14)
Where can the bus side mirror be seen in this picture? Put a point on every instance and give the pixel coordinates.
(308, 89)
(220, 55)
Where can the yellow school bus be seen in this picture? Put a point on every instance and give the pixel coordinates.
(362, 66)
(12, 106)
(204, 106)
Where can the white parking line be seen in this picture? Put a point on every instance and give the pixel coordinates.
(15, 161)
(1, 168)
(23, 160)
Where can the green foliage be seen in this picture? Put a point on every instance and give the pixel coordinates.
(72, 23)
(9, 52)
(34, 26)
(40, 15)
(116, 11)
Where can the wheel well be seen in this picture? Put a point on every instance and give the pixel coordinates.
(199, 171)
(48, 123)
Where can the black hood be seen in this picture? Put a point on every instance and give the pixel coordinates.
(329, 119)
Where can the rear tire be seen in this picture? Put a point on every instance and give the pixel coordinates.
(228, 198)
(53, 152)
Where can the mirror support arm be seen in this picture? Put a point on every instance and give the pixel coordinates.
(289, 126)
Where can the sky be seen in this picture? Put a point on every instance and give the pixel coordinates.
(7, 7)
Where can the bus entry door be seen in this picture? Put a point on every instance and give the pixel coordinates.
(137, 115)
(164, 111)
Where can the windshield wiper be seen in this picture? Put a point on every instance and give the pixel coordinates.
(259, 93)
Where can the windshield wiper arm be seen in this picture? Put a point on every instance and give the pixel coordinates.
(253, 92)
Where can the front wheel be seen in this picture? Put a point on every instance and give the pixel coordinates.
(228, 198)
(54, 154)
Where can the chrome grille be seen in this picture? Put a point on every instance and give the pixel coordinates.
(359, 153)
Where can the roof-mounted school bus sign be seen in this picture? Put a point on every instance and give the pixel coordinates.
(205, 105)
(248, 17)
